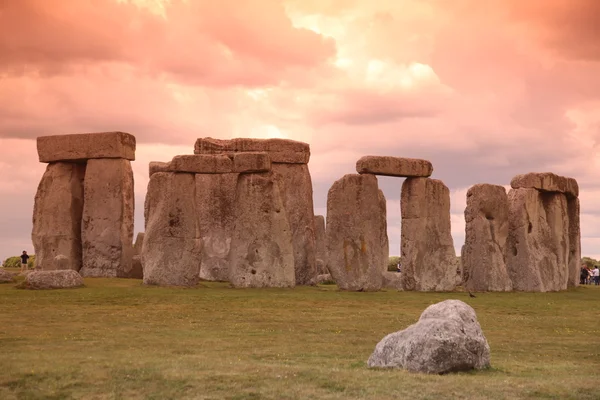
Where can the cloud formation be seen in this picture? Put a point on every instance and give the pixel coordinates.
(485, 90)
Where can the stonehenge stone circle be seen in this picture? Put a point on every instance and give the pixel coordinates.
(394, 166)
(573, 209)
(357, 244)
(172, 248)
(262, 253)
(83, 211)
(215, 198)
(107, 222)
(429, 259)
(538, 240)
(486, 232)
(447, 338)
(289, 164)
(57, 213)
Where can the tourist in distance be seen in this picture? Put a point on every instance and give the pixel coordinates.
(24, 259)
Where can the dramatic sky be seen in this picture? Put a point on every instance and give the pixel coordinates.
(485, 90)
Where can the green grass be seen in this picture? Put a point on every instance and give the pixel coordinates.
(116, 339)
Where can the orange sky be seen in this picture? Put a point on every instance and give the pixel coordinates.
(483, 89)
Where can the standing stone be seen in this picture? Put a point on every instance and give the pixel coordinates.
(573, 210)
(261, 247)
(215, 197)
(296, 189)
(107, 228)
(171, 252)
(486, 231)
(137, 271)
(428, 255)
(320, 245)
(57, 216)
(538, 240)
(357, 245)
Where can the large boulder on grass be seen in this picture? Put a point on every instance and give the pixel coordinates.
(5, 276)
(57, 279)
(447, 338)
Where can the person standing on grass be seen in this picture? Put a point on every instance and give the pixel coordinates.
(24, 259)
(596, 276)
(583, 275)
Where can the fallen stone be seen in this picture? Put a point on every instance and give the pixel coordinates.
(202, 164)
(58, 279)
(57, 213)
(296, 191)
(215, 198)
(486, 231)
(158, 166)
(547, 182)
(538, 240)
(356, 237)
(172, 248)
(428, 255)
(320, 245)
(84, 146)
(251, 162)
(392, 280)
(323, 278)
(262, 253)
(6, 277)
(447, 338)
(280, 150)
(394, 166)
(107, 227)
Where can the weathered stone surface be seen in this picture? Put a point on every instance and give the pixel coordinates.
(85, 146)
(323, 278)
(392, 280)
(538, 240)
(172, 248)
(107, 227)
(320, 245)
(357, 244)
(251, 162)
(486, 231)
(139, 242)
(261, 247)
(6, 277)
(573, 210)
(63, 262)
(158, 166)
(428, 256)
(295, 186)
(59, 279)
(394, 166)
(447, 338)
(202, 164)
(215, 197)
(57, 214)
(547, 182)
(280, 150)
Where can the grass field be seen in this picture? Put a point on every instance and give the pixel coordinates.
(116, 339)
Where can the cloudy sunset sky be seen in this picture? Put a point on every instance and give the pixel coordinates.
(484, 89)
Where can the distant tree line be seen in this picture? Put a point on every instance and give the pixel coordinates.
(15, 262)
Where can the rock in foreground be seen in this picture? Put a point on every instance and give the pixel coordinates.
(5, 276)
(58, 279)
(447, 338)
